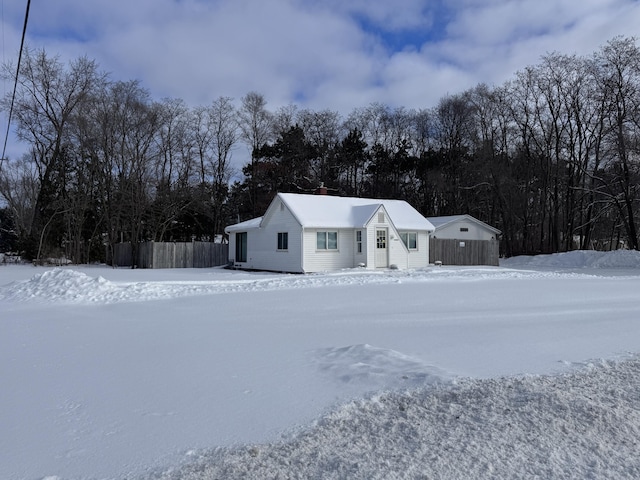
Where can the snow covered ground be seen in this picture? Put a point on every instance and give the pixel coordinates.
(525, 370)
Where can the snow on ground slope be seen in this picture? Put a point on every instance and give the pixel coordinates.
(64, 285)
(118, 373)
(571, 426)
(622, 259)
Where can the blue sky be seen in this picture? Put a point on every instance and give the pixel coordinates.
(318, 54)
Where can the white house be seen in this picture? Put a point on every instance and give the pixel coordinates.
(463, 240)
(314, 233)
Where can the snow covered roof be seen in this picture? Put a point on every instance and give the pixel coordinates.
(439, 222)
(253, 223)
(318, 211)
(350, 212)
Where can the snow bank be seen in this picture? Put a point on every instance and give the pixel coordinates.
(573, 426)
(58, 284)
(578, 259)
(66, 285)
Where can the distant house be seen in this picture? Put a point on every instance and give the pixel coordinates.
(463, 240)
(313, 233)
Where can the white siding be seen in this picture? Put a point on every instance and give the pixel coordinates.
(419, 258)
(232, 247)
(370, 250)
(326, 260)
(398, 254)
(262, 244)
(475, 231)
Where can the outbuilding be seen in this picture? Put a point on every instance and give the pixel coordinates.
(463, 240)
(302, 233)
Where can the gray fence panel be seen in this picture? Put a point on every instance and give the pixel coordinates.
(463, 252)
(121, 255)
(172, 254)
(144, 257)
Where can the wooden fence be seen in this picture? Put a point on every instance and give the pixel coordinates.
(171, 255)
(464, 252)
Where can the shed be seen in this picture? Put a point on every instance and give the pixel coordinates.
(463, 240)
(302, 233)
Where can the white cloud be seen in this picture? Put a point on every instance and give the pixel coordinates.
(490, 41)
(317, 54)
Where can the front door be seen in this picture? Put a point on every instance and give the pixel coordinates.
(382, 257)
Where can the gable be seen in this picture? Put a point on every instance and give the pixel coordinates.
(451, 221)
(278, 211)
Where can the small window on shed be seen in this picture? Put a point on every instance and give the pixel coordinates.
(464, 229)
(380, 217)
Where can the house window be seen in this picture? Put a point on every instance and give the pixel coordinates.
(359, 241)
(410, 240)
(464, 229)
(327, 240)
(241, 247)
(283, 240)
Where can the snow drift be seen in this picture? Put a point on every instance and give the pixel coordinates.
(578, 259)
(572, 426)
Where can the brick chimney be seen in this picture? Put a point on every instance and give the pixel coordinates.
(321, 190)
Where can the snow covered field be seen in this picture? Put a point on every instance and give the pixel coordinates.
(525, 370)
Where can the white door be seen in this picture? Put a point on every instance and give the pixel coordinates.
(382, 257)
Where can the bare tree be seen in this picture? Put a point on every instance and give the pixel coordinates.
(225, 135)
(173, 169)
(123, 144)
(283, 119)
(19, 187)
(619, 78)
(323, 131)
(48, 93)
(255, 123)
(371, 121)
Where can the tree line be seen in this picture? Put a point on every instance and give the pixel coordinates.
(551, 157)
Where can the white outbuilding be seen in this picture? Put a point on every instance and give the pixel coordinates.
(302, 233)
(463, 240)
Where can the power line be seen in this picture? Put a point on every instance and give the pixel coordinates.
(15, 84)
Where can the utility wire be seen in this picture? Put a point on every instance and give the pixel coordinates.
(15, 84)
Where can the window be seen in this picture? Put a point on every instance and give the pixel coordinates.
(283, 241)
(464, 229)
(241, 247)
(410, 240)
(381, 239)
(380, 217)
(327, 240)
(359, 241)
